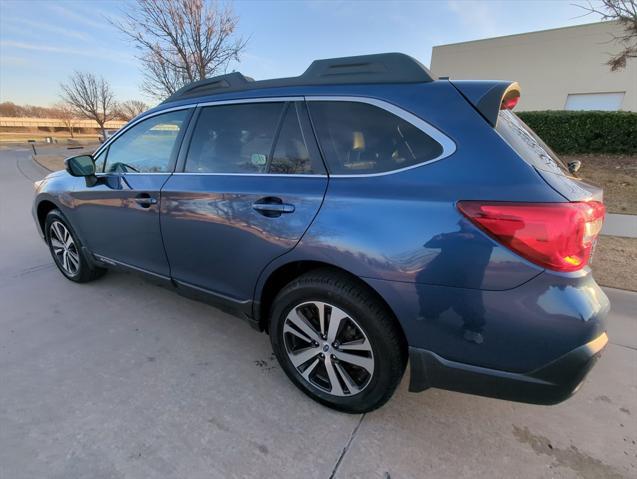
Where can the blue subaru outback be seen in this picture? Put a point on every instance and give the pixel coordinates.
(364, 214)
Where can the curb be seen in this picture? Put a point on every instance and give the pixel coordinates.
(33, 158)
(620, 225)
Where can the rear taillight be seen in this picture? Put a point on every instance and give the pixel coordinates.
(557, 236)
(510, 99)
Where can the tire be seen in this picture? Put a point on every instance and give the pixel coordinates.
(68, 255)
(364, 331)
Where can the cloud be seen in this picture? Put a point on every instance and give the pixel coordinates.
(90, 52)
(37, 47)
(80, 16)
(11, 61)
(41, 26)
(477, 15)
(263, 66)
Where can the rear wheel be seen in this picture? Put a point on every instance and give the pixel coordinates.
(337, 342)
(67, 251)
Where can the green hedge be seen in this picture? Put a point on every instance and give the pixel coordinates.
(585, 131)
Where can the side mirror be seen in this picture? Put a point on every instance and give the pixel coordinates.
(82, 165)
(574, 166)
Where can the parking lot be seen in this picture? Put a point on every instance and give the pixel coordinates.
(121, 378)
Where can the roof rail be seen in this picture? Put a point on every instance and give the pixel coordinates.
(378, 68)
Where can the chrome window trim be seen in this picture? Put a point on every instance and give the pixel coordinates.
(274, 99)
(448, 145)
(127, 127)
(128, 173)
(134, 122)
(191, 173)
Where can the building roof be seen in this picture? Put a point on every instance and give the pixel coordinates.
(536, 32)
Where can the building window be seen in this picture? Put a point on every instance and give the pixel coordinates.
(594, 101)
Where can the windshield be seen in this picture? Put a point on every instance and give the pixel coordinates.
(527, 144)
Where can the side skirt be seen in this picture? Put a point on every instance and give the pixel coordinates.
(238, 308)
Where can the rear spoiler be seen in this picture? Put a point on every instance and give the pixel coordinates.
(489, 96)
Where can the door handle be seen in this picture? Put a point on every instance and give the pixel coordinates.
(272, 207)
(145, 200)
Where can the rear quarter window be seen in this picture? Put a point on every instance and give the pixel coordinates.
(358, 138)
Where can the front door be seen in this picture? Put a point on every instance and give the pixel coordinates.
(118, 218)
(252, 183)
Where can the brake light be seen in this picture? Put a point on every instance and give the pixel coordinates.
(510, 99)
(557, 236)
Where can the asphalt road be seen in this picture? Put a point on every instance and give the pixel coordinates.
(120, 378)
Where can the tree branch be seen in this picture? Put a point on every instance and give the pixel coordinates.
(180, 41)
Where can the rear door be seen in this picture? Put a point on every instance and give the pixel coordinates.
(251, 183)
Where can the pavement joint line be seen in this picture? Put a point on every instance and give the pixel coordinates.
(40, 164)
(17, 164)
(27, 177)
(624, 346)
(346, 448)
(33, 269)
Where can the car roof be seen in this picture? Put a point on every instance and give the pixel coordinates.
(364, 69)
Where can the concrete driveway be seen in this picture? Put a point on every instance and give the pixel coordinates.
(120, 378)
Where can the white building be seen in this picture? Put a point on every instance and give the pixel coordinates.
(562, 68)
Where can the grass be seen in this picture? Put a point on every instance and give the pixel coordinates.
(615, 262)
(52, 157)
(51, 162)
(61, 137)
(617, 174)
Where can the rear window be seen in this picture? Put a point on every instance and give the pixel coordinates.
(233, 138)
(527, 144)
(358, 138)
(254, 138)
(291, 154)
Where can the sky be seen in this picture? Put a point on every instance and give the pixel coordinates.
(43, 41)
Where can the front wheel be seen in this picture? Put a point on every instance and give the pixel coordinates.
(337, 342)
(67, 251)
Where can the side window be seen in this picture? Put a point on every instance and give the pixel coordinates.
(358, 138)
(291, 154)
(234, 138)
(147, 147)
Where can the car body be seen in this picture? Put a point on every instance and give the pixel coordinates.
(263, 182)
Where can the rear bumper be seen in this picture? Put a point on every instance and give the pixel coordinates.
(549, 384)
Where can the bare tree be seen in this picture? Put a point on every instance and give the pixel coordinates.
(90, 97)
(625, 12)
(10, 109)
(161, 78)
(66, 113)
(181, 41)
(130, 109)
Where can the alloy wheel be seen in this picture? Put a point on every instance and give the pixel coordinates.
(328, 348)
(64, 248)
